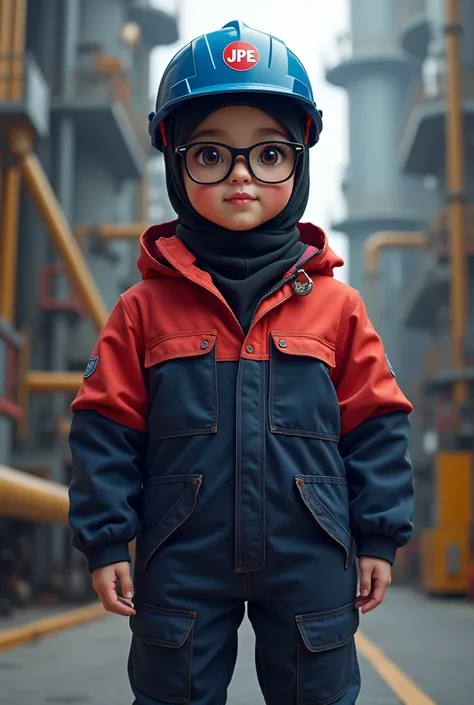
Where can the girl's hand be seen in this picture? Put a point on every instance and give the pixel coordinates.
(104, 582)
(375, 577)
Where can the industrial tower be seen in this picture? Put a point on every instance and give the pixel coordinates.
(408, 70)
(375, 70)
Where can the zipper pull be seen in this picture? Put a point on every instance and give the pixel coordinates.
(302, 284)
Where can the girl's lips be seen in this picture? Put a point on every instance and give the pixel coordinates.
(241, 198)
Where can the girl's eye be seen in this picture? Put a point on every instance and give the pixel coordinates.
(272, 156)
(208, 156)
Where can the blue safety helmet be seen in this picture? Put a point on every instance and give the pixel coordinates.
(234, 59)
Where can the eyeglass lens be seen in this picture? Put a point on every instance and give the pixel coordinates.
(209, 163)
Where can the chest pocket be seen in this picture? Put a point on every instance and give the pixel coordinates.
(303, 401)
(183, 384)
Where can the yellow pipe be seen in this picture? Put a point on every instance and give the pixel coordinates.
(111, 231)
(11, 185)
(6, 17)
(18, 49)
(27, 497)
(455, 161)
(374, 244)
(63, 238)
(54, 382)
(389, 239)
(122, 230)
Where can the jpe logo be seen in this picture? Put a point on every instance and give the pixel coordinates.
(241, 56)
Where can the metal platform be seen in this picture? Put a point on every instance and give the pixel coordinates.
(413, 650)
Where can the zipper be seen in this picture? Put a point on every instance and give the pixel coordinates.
(282, 283)
(272, 291)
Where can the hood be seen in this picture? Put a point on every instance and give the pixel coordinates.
(161, 254)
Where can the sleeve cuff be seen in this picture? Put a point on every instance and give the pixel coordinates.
(377, 546)
(107, 553)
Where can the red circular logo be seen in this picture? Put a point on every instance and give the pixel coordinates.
(241, 56)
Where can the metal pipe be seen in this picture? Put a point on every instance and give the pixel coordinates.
(373, 247)
(18, 50)
(389, 239)
(455, 161)
(11, 186)
(44, 381)
(111, 231)
(6, 16)
(63, 238)
(24, 496)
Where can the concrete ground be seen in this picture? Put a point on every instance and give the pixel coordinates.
(430, 641)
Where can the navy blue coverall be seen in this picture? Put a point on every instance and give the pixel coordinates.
(252, 469)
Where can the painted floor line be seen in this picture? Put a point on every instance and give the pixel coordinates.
(16, 636)
(401, 684)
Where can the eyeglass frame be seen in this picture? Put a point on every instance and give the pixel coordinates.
(297, 148)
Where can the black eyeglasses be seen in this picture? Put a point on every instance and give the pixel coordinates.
(213, 162)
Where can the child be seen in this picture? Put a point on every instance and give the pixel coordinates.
(239, 415)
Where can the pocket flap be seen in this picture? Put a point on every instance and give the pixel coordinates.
(323, 631)
(161, 627)
(182, 492)
(179, 345)
(305, 344)
(327, 500)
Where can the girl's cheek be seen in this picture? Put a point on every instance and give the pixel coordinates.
(202, 198)
(277, 196)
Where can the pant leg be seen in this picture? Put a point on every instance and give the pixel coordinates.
(184, 656)
(306, 659)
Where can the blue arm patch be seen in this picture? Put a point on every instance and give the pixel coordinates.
(91, 366)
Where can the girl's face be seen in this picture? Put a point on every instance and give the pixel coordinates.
(240, 202)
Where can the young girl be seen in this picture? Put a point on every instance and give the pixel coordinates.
(239, 415)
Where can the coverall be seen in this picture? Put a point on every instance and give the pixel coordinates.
(252, 469)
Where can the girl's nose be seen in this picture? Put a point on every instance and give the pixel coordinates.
(240, 174)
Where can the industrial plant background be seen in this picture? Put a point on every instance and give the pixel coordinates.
(79, 182)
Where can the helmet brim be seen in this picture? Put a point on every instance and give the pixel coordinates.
(231, 89)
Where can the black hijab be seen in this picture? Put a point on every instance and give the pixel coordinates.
(244, 265)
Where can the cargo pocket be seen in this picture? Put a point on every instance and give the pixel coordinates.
(182, 384)
(302, 398)
(327, 498)
(161, 652)
(167, 502)
(326, 654)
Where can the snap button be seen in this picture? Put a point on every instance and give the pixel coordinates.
(250, 349)
(282, 343)
(204, 344)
